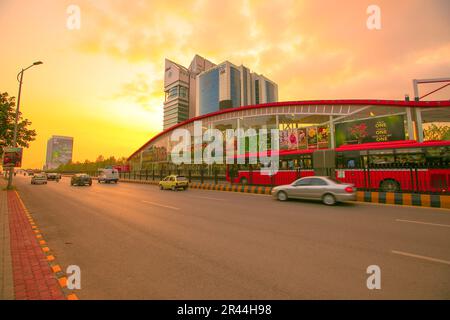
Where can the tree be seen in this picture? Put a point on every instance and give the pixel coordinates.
(7, 119)
(92, 166)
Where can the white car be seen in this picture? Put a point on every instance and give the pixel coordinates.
(328, 190)
(108, 175)
(40, 178)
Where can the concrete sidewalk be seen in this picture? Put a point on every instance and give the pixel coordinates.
(6, 273)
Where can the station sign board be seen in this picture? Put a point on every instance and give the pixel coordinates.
(12, 157)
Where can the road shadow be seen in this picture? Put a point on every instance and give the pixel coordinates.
(348, 204)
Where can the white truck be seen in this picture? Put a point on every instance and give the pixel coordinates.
(108, 175)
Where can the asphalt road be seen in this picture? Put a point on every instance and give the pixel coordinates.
(134, 241)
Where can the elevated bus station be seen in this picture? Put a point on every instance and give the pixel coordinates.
(374, 144)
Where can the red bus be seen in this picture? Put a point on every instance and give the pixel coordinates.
(386, 166)
(122, 168)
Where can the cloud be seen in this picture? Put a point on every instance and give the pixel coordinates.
(310, 48)
(142, 92)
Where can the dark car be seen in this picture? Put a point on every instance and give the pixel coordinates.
(53, 176)
(81, 179)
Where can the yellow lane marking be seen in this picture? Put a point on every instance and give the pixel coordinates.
(62, 281)
(56, 268)
(72, 296)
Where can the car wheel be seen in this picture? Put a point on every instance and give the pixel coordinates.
(174, 188)
(161, 187)
(389, 186)
(329, 199)
(282, 196)
(244, 181)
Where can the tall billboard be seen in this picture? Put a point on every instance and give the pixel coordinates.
(59, 151)
(390, 128)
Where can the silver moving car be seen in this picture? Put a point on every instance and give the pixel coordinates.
(40, 178)
(327, 190)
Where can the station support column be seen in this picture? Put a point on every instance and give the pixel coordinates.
(332, 133)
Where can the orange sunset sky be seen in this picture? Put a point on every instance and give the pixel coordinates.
(103, 84)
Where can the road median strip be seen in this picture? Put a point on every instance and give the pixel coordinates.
(406, 199)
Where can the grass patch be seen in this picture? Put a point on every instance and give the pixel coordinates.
(10, 188)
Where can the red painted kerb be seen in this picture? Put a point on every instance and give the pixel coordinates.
(373, 102)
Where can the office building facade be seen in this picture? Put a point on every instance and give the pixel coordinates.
(229, 86)
(205, 87)
(180, 88)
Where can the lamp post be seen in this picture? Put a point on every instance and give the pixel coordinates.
(14, 144)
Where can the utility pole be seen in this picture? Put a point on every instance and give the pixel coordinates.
(14, 144)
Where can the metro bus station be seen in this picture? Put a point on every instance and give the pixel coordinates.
(374, 144)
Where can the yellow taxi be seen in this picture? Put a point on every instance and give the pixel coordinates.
(174, 183)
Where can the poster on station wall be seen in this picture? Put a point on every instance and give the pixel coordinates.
(284, 139)
(311, 137)
(12, 157)
(292, 139)
(301, 134)
(322, 137)
(390, 128)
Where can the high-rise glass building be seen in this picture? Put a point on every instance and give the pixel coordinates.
(179, 88)
(228, 86)
(205, 87)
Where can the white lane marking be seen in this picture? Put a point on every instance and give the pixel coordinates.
(161, 205)
(426, 223)
(210, 198)
(420, 257)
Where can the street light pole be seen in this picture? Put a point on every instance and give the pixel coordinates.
(16, 121)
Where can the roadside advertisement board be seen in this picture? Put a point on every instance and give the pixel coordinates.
(12, 157)
(390, 128)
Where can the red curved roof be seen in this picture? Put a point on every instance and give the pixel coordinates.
(392, 103)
